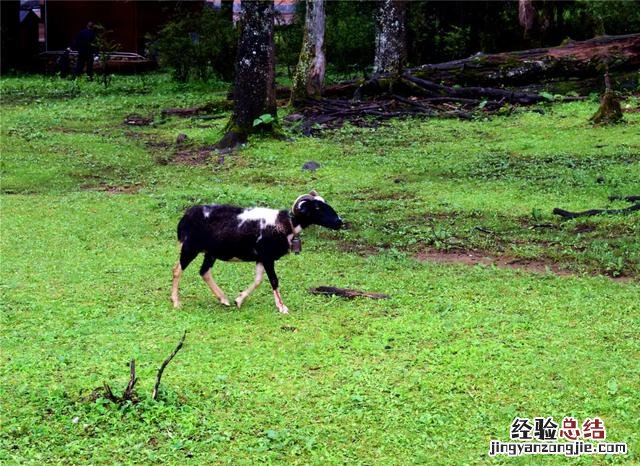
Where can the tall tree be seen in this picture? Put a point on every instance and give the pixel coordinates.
(254, 88)
(309, 77)
(391, 37)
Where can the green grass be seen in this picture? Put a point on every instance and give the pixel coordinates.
(89, 209)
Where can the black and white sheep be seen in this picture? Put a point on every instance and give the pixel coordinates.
(255, 234)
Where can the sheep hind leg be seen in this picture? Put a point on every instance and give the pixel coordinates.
(175, 298)
(205, 272)
(256, 282)
(187, 255)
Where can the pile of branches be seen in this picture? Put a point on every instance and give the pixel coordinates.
(129, 395)
(481, 83)
(405, 96)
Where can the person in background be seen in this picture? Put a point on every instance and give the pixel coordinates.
(85, 45)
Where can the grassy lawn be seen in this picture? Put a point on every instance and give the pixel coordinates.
(431, 375)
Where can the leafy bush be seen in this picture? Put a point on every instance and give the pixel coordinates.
(350, 35)
(200, 45)
(288, 40)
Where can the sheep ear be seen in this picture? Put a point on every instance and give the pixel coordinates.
(313, 192)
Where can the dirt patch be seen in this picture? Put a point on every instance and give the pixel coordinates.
(137, 120)
(373, 194)
(165, 153)
(111, 189)
(479, 258)
(63, 130)
(361, 250)
(194, 156)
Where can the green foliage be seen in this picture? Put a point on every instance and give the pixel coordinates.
(288, 40)
(88, 242)
(105, 46)
(455, 42)
(588, 18)
(350, 36)
(198, 45)
(265, 119)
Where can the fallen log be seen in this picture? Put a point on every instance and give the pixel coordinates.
(579, 60)
(431, 88)
(426, 92)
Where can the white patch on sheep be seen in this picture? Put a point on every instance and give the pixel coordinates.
(263, 215)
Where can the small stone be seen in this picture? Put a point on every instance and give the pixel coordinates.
(293, 117)
(311, 166)
(75, 420)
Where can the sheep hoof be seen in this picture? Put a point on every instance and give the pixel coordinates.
(225, 302)
(239, 302)
(176, 304)
(283, 309)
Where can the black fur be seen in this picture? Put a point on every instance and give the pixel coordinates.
(221, 234)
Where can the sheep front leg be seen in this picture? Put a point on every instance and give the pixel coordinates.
(256, 282)
(269, 267)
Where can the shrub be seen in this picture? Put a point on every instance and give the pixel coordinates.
(198, 44)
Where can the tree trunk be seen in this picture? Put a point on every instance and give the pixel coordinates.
(254, 89)
(309, 77)
(391, 43)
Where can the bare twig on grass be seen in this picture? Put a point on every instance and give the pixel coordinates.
(128, 392)
(589, 213)
(154, 395)
(615, 197)
(346, 293)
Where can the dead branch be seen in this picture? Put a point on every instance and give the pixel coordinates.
(214, 108)
(615, 197)
(108, 394)
(346, 293)
(154, 395)
(588, 213)
(128, 392)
